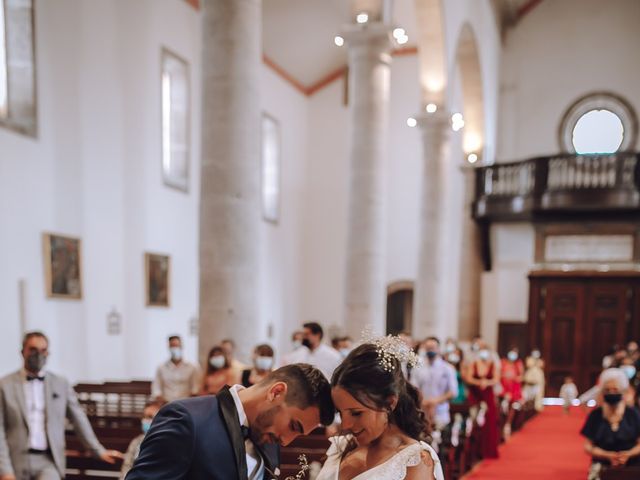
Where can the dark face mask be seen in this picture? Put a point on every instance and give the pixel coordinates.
(431, 354)
(613, 398)
(35, 362)
(306, 343)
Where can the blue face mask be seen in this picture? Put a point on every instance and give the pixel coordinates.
(146, 425)
(629, 370)
(513, 356)
(431, 354)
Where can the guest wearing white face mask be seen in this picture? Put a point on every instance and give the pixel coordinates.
(219, 372)
(262, 366)
(176, 378)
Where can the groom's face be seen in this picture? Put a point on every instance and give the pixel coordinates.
(281, 423)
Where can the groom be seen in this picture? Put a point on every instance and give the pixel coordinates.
(235, 434)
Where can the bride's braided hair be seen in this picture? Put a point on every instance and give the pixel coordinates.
(372, 383)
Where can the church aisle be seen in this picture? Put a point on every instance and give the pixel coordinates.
(548, 447)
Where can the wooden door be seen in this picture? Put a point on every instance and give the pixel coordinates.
(608, 309)
(562, 332)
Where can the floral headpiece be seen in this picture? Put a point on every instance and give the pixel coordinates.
(390, 349)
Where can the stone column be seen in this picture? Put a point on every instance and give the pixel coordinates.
(470, 264)
(229, 196)
(369, 52)
(429, 291)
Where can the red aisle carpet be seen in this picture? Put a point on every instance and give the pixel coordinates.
(548, 447)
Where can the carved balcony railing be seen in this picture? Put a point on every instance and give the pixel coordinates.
(558, 185)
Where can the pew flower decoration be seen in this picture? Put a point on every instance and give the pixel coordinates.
(304, 468)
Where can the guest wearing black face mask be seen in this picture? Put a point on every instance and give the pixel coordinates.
(33, 406)
(612, 430)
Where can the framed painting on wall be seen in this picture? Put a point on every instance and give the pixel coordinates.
(62, 266)
(270, 169)
(157, 269)
(176, 111)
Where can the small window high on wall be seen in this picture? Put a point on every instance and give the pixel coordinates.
(599, 123)
(17, 67)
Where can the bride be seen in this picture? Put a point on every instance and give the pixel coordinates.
(381, 419)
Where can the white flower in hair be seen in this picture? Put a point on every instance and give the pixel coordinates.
(390, 349)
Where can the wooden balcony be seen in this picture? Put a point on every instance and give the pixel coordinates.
(559, 187)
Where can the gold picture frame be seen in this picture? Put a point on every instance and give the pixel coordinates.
(62, 257)
(157, 274)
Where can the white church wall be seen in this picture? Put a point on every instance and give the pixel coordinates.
(282, 249)
(559, 52)
(94, 172)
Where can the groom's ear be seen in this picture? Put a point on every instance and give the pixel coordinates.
(277, 392)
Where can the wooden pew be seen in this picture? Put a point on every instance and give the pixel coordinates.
(628, 473)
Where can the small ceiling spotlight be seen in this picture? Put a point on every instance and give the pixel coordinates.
(472, 158)
(338, 40)
(432, 108)
(457, 122)
(402, 40)
(411, 122)
(362, 17)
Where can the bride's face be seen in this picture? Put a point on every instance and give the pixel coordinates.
(366, 424)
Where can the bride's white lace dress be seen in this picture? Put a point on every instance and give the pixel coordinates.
(395, 468)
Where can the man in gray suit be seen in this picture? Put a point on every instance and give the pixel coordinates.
(33, 407)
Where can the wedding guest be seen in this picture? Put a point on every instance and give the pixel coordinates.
(612, 431)
(568, 393)
(150, 410)
(219, 372)
(320, 355)
(436, 380)
(343, 345)
(262, 366)
(456, 359)
(229, 347)
(481, 375)
(534, 380)
(175, 378)
(298, 352)
(511, 379)
(34, 406)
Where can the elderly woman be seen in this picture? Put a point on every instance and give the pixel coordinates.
(613, 429)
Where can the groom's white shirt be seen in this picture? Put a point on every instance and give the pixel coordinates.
(253, 458)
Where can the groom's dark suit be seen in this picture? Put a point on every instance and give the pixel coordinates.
(198, 439)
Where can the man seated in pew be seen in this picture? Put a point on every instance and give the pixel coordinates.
(176, 378)
(235, 434)
(33, 406)
(150, 410)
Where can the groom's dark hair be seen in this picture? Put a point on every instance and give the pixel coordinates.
(306, 387)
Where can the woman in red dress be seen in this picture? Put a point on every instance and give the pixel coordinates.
(481, 375)
(512, 372)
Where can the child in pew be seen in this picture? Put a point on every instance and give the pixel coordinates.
(568, 393)
(150, 410)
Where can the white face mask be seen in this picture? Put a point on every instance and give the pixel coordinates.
(535, 354)
(344, 352)
(513, 356)
(217, 361)
(484, 354)
(264, 363)
(176, 353)
(449, 347)
(453, 358)
(296, 344)
(422, 353)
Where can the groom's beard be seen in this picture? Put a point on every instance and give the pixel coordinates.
(263, 421)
